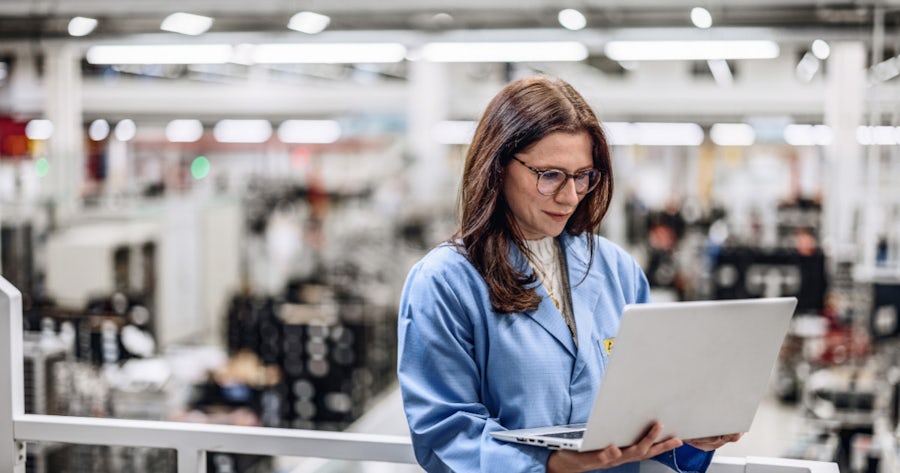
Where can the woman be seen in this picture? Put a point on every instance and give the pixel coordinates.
(509, 325)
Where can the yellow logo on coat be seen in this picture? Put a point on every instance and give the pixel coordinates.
(608, 344)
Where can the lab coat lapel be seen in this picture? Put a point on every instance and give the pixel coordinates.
(546, 315)
(585, 294)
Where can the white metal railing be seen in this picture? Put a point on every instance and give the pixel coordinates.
(192, 441)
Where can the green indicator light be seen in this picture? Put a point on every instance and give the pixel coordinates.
(200, 167)
(42, 166)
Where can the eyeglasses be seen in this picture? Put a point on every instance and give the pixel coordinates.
(551, 181)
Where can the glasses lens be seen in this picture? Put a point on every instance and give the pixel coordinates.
(550, 181)
(585, 181)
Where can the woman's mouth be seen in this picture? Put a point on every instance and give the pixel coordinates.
(559, 217)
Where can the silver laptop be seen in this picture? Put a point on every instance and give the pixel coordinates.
(699, 368)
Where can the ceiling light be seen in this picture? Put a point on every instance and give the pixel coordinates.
(454, 132)
(81, 26)
(807, 67)
(732, 134)
(571, 19)
(309, 131)
(821, 49)
(186, 23)
(620, 133)
(654, 134)
(309, 22)
(125, 130)
(504, 52)
(39, 129)
(721, 72)
(160, 54)
(242, 131)
(98, 130)
(690, 50)
(808, 135)
(333, 53)
(701, 18)
(876, 135)
(184, 131)
(669, 134)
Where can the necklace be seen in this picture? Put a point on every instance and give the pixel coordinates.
(554, 299)
(557, 280)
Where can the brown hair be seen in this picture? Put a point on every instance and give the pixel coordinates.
(522, 113)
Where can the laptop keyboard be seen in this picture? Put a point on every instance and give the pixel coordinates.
(575, 434)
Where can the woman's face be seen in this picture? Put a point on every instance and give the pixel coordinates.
(539, 215)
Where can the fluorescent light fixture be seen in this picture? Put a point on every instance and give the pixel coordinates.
(732, 134)
(309, 131)
(328, 53)
(242, 131)
(184, 131)
(721, 72)
(701, 18)
(821, 49)
(309, 22)
(808, 135)
(125, 130)
(620, 133)
(98, 130)
(669, 134)
(39, 129)
(454, 132)
(877, 135)
(160, 54)
(690, 50)
(807, 67)
(81, 26)
(571, 19)
(186, 23)
(505, 51)
(885, 70)
(654, 134)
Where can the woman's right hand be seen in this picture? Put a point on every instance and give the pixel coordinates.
(565, 461)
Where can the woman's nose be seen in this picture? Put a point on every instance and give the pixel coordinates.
(567, 195)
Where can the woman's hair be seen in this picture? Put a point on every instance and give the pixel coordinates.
(522, 113)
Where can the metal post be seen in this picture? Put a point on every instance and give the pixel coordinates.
(12, 452)
(191, 460)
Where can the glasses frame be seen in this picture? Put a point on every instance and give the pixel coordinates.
(540, 173)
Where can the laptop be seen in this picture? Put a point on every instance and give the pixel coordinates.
(699, 368)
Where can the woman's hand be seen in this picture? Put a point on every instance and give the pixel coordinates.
(712, 443)
(570, 461)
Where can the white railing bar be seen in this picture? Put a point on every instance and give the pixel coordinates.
(12, 398)
(214, 438)
(193, 440)
(190, 460)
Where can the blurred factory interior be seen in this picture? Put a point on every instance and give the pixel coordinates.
(214, 224)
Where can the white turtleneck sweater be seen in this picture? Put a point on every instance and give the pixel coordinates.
(549, 266)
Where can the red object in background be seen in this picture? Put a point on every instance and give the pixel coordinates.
(13, 142)
(843, 345)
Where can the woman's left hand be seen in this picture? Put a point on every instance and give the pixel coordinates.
(712, 443)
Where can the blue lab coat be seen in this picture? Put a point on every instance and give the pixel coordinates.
(466, 370)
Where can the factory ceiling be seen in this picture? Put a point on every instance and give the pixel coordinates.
(47, 19)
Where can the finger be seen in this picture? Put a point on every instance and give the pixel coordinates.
(609, 455)
(650, 438)
(641, 447)
(665, 446)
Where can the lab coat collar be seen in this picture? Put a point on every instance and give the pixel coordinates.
(584, 296)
